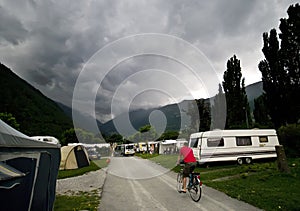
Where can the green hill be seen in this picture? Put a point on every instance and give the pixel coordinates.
(140, 117)
(36, 114)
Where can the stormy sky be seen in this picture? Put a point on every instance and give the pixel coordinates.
(105, 57)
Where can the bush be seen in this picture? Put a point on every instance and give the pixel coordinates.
(289, 137)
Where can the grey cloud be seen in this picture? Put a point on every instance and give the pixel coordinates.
(11, 29)
(53, 40)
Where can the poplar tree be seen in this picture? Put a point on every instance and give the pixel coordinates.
(290, 58)
(280, 69)
(238, 109)
(218, 111)
(274, 78)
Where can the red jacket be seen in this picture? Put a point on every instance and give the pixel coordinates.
(188, 154)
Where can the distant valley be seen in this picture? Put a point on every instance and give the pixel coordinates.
(40, 115)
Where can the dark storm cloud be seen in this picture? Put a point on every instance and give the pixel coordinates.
(11, 29)
(48, 43)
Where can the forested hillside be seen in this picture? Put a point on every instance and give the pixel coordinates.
(36, 114)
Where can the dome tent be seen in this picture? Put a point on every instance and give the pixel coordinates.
(28, 171)
(73, 157)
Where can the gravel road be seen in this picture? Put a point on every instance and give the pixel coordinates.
(88, 182)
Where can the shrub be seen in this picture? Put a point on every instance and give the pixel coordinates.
(289, 137)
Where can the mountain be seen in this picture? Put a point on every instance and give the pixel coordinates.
(39, 115)
(36, 114)
(253, 91)
(169, 118)
(139, 118)
(83, 121)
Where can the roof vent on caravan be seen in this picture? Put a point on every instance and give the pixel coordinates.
(48, 139)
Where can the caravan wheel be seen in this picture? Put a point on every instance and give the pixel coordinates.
(248, 160)
(240, 161)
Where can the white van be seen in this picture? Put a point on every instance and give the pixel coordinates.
(124, 150)
(129, 149)
(242, 145)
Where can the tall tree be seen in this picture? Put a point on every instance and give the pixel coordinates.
(238, 109)
(218, 111)
(204, 114)
(290, 56)
(274, 78)
(280, 69)
(261, 113)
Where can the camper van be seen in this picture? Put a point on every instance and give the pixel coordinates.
(242, 146)
(142, 147)
(129, 149)
(124, 150)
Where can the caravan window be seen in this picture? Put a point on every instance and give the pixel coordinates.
(263, 139)
(129, 147)
(243, 141)
(215, 142)
(194, 142)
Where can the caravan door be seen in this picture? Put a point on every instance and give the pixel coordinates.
(195, 143)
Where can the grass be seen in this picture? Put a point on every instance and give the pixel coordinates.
(76, 172)
(259, 184)
(81, 200)
(146, 155)
(78, 201)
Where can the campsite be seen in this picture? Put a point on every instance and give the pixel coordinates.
(29, 169)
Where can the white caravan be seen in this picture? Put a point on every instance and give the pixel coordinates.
(242, 145)
(48, 139)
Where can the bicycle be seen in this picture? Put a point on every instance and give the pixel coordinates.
(194, 185)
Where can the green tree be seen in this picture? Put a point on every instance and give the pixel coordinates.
(148, 133)
(169, 135)
(145, 128)
(9, 119)
(204, 114)
(68, 136)
(193, 113)
(261, 113)
(280, 69)
(114, 138)
(238, 109)
(218, 110)
(274, 79)
(290, 59)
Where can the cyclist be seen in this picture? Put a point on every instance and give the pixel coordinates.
(187, 156)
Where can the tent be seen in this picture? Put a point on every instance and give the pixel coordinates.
(73, 157)
(28, 171)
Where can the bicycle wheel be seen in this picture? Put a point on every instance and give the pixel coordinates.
(179, 182)
(195, 191)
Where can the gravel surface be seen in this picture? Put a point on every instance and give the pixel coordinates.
(88, 182)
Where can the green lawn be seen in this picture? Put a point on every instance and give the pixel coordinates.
(260, 184)
(76, 172)
(79, 201)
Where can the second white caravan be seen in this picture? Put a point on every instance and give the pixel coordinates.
(242, 145)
